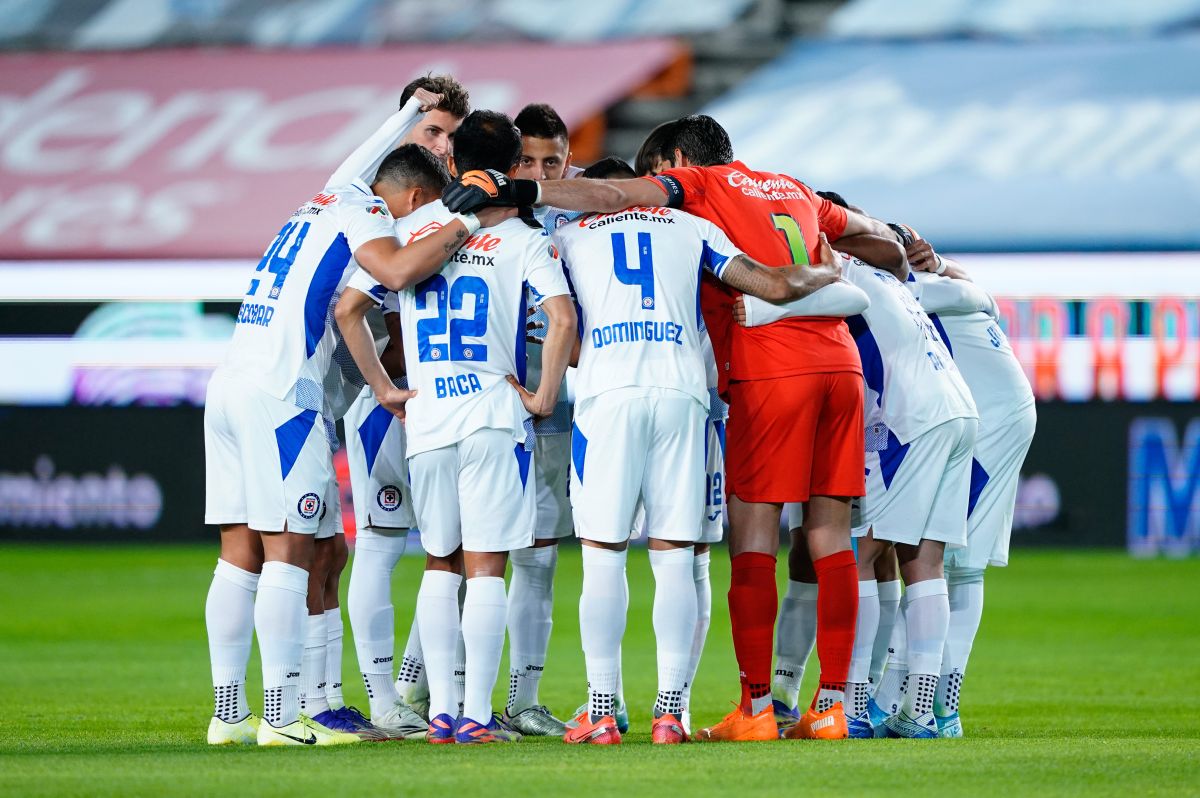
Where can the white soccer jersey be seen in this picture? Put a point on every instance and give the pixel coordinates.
(977, 344)
(282, 342)
(908, 372)
(636, 274)
(464, 328)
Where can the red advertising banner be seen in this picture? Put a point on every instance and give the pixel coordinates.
(203, 153)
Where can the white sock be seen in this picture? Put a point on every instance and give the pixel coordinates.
(889, 605)
(530, 619)
(887, 694)
(279, 613)
(603, 603)
(437, 613)
(928, 619)
(795, 637)
(857, 687)
(410, 676)
(703, 585)
(372, 616)
(312, 667)
(965, 586)
(460, 668)
(674, 619)
(333, 657)
(483, 618)
(229, 615)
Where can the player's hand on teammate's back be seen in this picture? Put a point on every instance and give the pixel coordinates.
(739, 311)
(827, 270)
(530, 400)
(428, 99)
(481, 188)
(393, 400)
(921, 256)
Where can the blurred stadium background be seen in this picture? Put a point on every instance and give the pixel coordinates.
(148, 148)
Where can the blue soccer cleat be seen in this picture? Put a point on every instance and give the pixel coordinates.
(922, 727)
(876, 716)
(358, 722)
(785, 716)
(495, 731)
(859, 727)
(441, 729)
(949, 725)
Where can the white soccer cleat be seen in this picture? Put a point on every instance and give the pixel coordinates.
(401, 722)
(303, 731)
(243, 732)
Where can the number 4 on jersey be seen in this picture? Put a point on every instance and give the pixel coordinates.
(643, 276)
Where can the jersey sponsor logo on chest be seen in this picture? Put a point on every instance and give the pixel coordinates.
(474, 251)
(634, 214)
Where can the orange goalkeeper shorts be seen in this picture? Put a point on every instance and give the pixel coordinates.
(791, 438)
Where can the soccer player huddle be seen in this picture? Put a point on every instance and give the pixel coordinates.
(521, 350)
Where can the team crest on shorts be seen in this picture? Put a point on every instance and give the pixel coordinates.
(388, 498)
(309, 505)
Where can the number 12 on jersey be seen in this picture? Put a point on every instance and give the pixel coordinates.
(643, 276)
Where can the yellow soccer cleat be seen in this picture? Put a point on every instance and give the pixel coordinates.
(243, 732)
(303, 731)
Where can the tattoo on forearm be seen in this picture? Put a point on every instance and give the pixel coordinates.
(747, 276)
(460, 238)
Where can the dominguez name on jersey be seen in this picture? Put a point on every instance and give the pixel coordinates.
(626, 332)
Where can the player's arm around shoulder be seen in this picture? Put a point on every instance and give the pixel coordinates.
(783, 284)
(399, 267)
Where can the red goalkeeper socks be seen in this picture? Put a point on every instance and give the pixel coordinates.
(753, 604)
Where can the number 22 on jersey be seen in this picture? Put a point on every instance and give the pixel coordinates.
(447, 298)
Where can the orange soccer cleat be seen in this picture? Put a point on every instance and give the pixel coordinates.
(740, 727)
(668, 730)
(601, 732)
(813, 725)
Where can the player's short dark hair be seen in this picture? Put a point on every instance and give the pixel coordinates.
(654, 149)
(540, 121)
(486, 140)
(609, 168)
(701, 140)
(412, 165)
(834, 197)
(456, 101)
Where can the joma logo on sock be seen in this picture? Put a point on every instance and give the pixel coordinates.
(537, 668)
(293, 675)
(785, 673)
(379, 660)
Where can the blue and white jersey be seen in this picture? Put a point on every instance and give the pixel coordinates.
(464, 328)
(636, 276)
(909, 374)
(966, 318)
(283, 342)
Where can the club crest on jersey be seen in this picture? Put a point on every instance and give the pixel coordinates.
(553, 251)
(309, 505)
(388, 498)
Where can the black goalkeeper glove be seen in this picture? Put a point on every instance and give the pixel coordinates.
(488, 188)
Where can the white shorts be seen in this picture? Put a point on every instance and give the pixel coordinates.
(552, 469)
(476, 493)
(633, 443)
(919, 491)
(267, 463)
(330, 520)
(995, 471)
(713, 524)
(375, 447)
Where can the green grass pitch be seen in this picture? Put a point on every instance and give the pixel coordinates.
(1084, 681)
